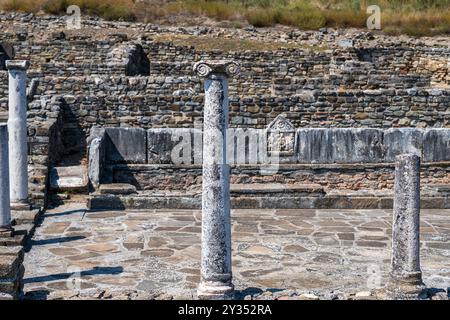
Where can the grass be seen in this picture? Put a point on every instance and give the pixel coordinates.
(218, 10)
(109, 10)
(21, 5)
(260, 17)
(413, 17)
(419, 24)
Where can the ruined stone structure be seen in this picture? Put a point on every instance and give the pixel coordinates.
(314, 89)
(123, 122)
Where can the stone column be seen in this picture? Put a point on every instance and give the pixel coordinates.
(17, 127)
(405, 268)
(216, 277)
(5, 210)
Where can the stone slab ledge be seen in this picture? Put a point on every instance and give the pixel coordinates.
(281, 166)
(193, 202)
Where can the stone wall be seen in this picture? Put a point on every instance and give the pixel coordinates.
(372, 86)
(150, 102)
(171, 101)
(330, 177)
(336, 159)
(6, 53)
(374, 82)
(45, 149)
(283, 71)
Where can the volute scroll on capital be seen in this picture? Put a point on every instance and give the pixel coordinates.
(207, 68)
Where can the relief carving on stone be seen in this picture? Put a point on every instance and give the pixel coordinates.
(281, 137)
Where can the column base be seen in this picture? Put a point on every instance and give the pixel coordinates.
(21, 205)
(215, 291)
(408, 283)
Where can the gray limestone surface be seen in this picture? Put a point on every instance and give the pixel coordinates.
(436, 145)
(145, 254)
(402, 140)
(126, 145)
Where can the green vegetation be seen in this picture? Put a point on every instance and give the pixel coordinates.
(107, 9)
(413, 17)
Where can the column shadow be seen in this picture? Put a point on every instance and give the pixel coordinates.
(62, 276)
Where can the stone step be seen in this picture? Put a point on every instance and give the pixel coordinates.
(258, 195)
(57, 199)
(18, 239)
(276, 188)
(70, 178)
(248, 189)
(438, 189)
(255, 196)
(194, 202)
(117, 188)
(25, 216)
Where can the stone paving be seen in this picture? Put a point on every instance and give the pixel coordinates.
(76, 253)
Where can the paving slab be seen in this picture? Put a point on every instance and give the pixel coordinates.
(143, 254)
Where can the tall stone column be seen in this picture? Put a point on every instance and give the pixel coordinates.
(5, 210)
(406, 274)
(216, 276)
(17, 127)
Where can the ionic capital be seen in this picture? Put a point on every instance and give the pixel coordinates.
(17, 64)
(207, 68)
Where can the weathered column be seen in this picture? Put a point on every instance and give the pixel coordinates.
(406, 274)
(17, 127)
(216, 275)
(5, 210)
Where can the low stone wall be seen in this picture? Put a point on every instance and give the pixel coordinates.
(333, 158)
(304, 145)
(45, 150)
(330, 177)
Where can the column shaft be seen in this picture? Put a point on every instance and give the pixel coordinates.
(216, 225)
(5, 210)
(18, 140)
(406, 221)
(216, 276)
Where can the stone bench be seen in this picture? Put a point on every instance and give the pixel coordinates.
(250, 196)
(118, 146)
(170, 159)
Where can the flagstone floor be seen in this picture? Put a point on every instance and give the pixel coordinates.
(76, 253)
